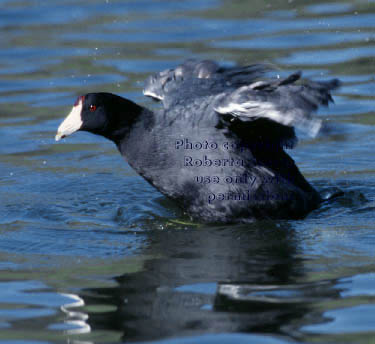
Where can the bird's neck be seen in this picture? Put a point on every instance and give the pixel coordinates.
(130, 136)
(125, 123)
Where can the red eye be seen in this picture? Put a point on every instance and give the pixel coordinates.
(92, 108)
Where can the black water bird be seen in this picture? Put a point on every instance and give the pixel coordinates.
(216, 146)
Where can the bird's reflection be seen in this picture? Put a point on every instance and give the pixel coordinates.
(211, 280)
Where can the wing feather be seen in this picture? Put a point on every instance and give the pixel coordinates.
(281, 101)
(245, 95)
(196, 78)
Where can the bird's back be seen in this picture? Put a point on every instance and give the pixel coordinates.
(193, 156)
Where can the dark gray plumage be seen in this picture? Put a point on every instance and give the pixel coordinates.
(241, 94)
(216, 145)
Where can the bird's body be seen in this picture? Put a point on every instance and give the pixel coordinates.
(216, 146)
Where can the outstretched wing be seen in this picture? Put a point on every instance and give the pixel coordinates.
(284, 101)
(199, 78)
(270, 108)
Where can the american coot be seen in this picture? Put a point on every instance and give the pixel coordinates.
(216, 145)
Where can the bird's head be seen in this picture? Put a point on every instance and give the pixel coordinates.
(103, 114)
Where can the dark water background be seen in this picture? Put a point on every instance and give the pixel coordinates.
(90, 253)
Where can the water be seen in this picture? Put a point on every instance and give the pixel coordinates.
(90, 253)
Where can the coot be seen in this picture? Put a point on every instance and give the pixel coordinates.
(216, 145)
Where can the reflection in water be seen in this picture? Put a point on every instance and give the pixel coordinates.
(76, 321)
(212, 280)
(74, 215)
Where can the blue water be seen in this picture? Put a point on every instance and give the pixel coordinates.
(90, 253)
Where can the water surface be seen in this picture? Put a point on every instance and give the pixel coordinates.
(90, 253)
